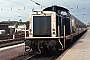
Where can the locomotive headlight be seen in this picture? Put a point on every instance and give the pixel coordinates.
(30, 30)
(53, 31)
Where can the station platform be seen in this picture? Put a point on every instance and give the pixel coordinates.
(79, 51)
(10, 52)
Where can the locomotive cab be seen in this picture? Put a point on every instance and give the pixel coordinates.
(42, 31)
(43, 24)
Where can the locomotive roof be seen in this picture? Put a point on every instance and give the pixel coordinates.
(55, 7)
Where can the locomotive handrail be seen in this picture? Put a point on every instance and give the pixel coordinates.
(64, 36)
(42, 38)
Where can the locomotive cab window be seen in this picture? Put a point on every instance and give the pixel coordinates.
(63, 13)
(42, 25)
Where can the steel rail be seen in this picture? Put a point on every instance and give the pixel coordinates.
(30, 57)
(52, 57)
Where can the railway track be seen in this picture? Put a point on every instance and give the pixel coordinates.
(10, 36)
(10, 43)
(33, 56)
(42, 57)
(30, 57)
(7, 40)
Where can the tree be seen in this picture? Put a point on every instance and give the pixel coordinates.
(16, 25)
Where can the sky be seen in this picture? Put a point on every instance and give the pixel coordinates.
(15, 10)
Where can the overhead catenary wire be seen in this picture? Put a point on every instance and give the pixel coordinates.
(19, 4)
(69, 7)
(73, 3)
(50, 1)
(65, 3)
(77, 7)
(25, 7)
(6, 16)
(37, 3)
(11, 10)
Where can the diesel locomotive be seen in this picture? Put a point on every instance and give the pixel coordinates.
(52, 30)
